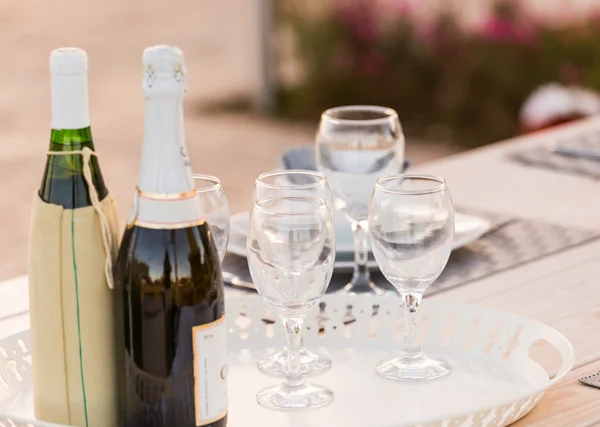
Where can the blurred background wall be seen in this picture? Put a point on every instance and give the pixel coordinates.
(461, 73)
(215, 39)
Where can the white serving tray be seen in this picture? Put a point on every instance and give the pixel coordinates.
(494, 381)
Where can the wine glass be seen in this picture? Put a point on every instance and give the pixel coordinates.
(293, 183)
(291, 251)
(355, 146)
(214, 205)
(411, 220)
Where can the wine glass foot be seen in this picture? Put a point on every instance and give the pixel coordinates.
(311, 363)
(422, 368)
(291, 398)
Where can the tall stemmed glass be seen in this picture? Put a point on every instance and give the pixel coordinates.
(355, 146)
(293, 183)
(214, 205)
(291, 251)
(411, 219)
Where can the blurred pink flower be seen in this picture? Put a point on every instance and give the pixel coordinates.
(361, 16)
(500, 29)
(427, 33)
(342, 58)
(397, 8)
(372, 63)
(366, 30)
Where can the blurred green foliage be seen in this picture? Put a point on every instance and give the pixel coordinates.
(445, 81)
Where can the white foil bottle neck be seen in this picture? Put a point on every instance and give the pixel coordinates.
(69, 89)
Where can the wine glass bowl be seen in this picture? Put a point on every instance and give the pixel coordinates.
(215, 206)
(293, 182)
(291, 250)
(411, 220)
(356, 145)
(291, 243)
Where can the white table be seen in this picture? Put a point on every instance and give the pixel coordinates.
(561, 290)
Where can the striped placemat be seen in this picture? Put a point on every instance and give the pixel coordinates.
(512, 242)
(544, 157)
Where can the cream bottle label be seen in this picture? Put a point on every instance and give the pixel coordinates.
(210, 371)
(167, 211)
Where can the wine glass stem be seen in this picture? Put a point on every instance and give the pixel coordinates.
(361, 279)
(412, 348)
(293, 329)
(301, 348)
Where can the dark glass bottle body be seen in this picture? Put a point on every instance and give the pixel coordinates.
(171, 281)
(63, 182)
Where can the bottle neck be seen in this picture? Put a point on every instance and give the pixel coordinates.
(71, 139)
(70, 108)
(63, 182)
(166, 196)
(165, 166)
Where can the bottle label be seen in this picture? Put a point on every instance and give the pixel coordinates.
(167, 211)
(210, 371)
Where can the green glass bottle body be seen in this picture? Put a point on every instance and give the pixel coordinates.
(63, 182)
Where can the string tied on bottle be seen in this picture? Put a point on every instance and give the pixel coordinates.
(107, 239)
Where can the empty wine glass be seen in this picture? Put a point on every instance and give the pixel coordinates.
(293, 183)
(411, 220)
(291, 250)
(214, 205)
(355, 146)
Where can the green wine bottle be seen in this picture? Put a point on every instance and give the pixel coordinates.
(63, 182)
(73, 237)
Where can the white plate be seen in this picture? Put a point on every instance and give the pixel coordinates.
(467, 229)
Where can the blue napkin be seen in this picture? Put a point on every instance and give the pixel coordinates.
(304, 158)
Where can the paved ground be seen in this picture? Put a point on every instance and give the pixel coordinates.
(213, 35)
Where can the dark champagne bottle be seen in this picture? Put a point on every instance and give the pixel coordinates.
(169, 271)
(63, 182)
